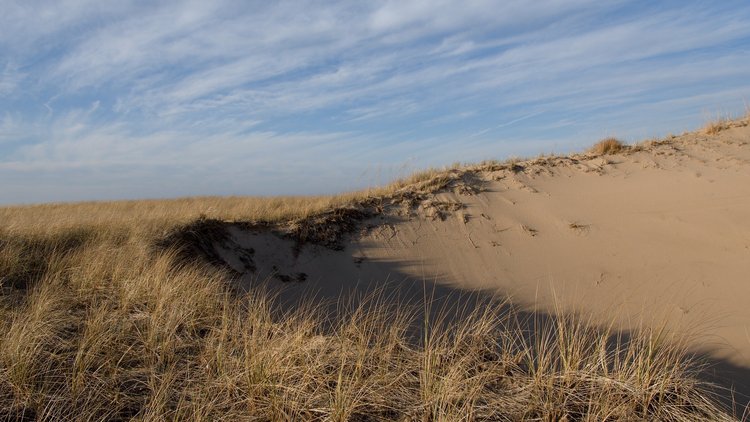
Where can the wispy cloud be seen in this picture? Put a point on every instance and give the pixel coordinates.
(288, 97)
(10, 80)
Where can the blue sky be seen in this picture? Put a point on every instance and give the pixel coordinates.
(110, 100)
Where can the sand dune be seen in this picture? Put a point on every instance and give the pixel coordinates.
(615, 264)
(656, 234)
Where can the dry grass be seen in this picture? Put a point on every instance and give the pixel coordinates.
(97, 324)
(716, 126)
(148, 218)
(608, 146)
(722, 123)
(113, 333)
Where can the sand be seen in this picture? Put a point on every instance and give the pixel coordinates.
(658, 235)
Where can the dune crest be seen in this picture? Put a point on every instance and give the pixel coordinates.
(654, 233)
(626, 267)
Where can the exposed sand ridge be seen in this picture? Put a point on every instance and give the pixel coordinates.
(626, 268)
(658, 232)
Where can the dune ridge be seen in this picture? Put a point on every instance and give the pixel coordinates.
(626, 270)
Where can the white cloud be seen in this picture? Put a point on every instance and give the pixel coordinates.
(210, 89)
(10, 80)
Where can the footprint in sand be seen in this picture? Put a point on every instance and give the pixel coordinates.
(528, 230)
(579, 228)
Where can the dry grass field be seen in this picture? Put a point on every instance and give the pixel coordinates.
(97, 323)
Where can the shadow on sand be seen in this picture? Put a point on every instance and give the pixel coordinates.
(304, 274)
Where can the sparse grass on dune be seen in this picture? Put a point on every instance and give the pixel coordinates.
(608, 146)
(716, 126)
(98, 324)
(723, 123)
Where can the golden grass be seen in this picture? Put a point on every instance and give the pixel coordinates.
(608, 146)
(98, 324)
(113, 333)
(722, 123)
(716, 126)
(150, 217)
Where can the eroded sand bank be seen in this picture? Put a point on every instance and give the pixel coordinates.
(659, 234)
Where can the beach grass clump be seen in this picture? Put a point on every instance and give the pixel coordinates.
(722, 123)
(608, 146)
(715, 126)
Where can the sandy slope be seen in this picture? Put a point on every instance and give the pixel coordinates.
(656, 234)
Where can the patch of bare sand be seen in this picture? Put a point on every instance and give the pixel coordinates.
(658, 234)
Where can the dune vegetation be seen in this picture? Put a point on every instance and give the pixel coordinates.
(98, 323)
(607, 146)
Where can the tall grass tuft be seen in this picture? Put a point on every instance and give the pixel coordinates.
(608, 146)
